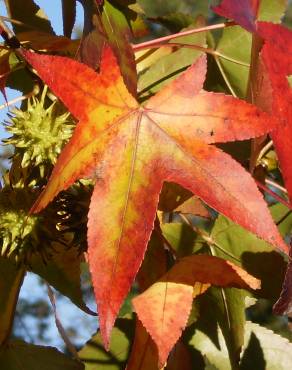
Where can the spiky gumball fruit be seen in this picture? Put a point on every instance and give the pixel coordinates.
(21, 233)
(38, 134)
(73, 205)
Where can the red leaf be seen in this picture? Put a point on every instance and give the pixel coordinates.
(277, 58)
(164, 308)
(284, 304)
(4, 70)
(243, 12)
(132, 150)
(144, 354)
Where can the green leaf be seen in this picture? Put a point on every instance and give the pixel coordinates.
(182, 238)
(11, 278)
(62, 271)
(212, 353)
(272, 10)
(258, 258)
(229, 309)
(168, 67)
(263, 349)
(109, 25)
(175, 21)
(254, 255)
(118, 34)
(236, 43)
(19, 79)
(283, 218)
(253, 356)
(94, 356)
(30, 14)
(160, 8)
(19, 355)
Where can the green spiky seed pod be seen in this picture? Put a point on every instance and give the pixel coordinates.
(21, 233)
(38, 134)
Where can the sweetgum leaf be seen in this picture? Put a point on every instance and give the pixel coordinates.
(154, 264)
(109, 27)
(229, 309)
(94, 356)
(30, 14)
(175, 21)
(39, 40)
(118, 35)
(275, 350)
(182, 238)
(18, 355)
(144, 353)
(172, 195)
(180, 358)
(247, 12)
(195, 207)
(276, 64)
(131, 150)
(11, 277)
(236, 42)
(284, 304)
(262, 347)
(4, 69)
(244, 12)
(161, 8)
(165, 307)
(277, 57)
(69, 15)
(62, 271)
(272, 10)
(256, 256)
(167, 67)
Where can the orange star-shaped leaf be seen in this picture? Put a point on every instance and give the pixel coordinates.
(131, 150)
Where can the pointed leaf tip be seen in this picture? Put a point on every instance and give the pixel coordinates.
(130, 151)
(164, 308)
(243, 12)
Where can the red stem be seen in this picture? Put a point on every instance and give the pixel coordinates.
(160, 40)
(273, 194)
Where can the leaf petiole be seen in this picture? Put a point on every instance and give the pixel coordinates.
(162, 40)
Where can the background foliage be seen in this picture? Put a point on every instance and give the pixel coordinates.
(227, 327)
